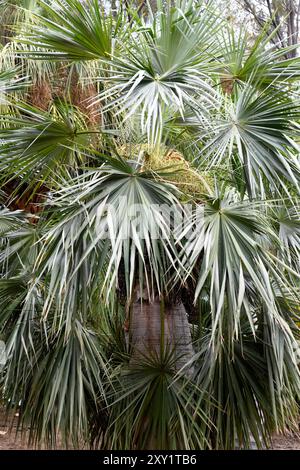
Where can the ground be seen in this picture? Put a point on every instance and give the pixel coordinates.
(286, 442)
(13, 441)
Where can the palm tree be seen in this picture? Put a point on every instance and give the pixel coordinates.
(149, 256)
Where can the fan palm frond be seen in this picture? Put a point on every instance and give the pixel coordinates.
(260, 130)
(72, 31)
(37, 142)
(158, 78)
(257, 62)
(227, 237)
(111, 218)
(151, 409)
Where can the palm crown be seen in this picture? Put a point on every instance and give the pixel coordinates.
(149, 230)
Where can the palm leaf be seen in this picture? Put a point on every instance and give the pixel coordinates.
(151, 77)
(71, 31)
(259, 129)
(36, 142)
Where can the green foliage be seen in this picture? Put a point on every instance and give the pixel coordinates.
(73, 31)
(36, 143)
(182, 82)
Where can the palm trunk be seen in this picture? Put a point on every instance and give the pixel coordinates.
(156, 328)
